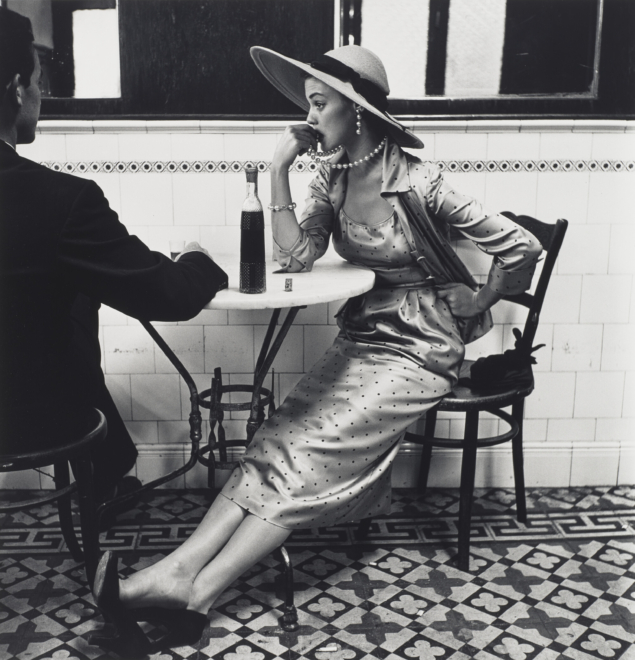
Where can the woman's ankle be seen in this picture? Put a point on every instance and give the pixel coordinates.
(165, 586)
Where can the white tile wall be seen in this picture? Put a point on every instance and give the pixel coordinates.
(156, 397)
(617, 348)
(511, 192)
(199, 199)
(586, 250)
(553, 396)
(580, 420)
(128, 350)
(608, 198)
(563, 195)
(628, 409)
(621, 253)
(602, 296)
(566, 146)
(577, 347)
(229, 347)
(146, 199)
(513, 146)
(599, 394)
(197, 147)
(460, 146)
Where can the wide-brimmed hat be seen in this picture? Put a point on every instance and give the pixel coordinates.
(355, 72)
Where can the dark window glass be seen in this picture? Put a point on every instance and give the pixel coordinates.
(549, 47)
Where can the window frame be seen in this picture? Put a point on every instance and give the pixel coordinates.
(614, 99)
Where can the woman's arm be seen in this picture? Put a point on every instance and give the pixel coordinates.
(298, 244)
(514, 250)
(284, 223)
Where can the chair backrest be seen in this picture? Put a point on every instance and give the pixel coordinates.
(550, 236)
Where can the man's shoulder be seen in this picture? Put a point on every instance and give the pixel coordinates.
(48, 176)
(54, 171)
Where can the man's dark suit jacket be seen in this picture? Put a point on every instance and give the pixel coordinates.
(63, 252)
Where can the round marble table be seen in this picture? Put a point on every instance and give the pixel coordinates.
(331, 279)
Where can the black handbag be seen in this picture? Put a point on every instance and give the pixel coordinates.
(502, 371)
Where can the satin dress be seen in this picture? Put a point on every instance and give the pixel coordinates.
(325, 456)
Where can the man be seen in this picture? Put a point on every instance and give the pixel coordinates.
(63, 252)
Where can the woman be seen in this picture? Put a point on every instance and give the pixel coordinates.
(324, 457)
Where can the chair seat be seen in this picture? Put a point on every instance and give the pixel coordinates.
(78, 452)
(465, 397)
(96, 432)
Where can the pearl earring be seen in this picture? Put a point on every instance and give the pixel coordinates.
(358, 112)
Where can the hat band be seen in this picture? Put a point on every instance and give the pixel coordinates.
(366, 88)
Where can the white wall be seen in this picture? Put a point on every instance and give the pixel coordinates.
(579, 420)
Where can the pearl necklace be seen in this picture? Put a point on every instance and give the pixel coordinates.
(316, 155)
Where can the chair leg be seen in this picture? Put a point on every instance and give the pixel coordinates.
(214, 412)
(88, 515)
(468, 469)
(62, 479)
(363, 528)
(426, 449)
(517, 455)
(289, 618)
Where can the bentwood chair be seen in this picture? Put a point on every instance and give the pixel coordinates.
(472, 400)
(76, 452)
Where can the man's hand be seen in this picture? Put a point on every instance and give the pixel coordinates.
(193, 247)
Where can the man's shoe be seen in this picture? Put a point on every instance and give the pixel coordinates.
(125, 486)
(129, 640)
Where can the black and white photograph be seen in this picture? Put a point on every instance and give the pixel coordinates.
(317, 325)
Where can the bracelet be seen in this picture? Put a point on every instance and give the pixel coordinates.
(282, 207)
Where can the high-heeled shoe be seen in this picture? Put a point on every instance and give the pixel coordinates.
(185, 627)
(129, 640)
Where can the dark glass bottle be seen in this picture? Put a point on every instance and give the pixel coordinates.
(252, 239)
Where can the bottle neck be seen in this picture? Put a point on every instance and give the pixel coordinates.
(252, 188)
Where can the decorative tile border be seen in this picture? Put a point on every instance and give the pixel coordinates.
(236, 167)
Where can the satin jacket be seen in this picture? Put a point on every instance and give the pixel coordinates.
(427, 207)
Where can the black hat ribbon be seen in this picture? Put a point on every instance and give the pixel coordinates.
(362, 86)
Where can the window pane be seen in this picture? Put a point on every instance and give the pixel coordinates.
(96, 53)
(476, 32)
(549, 46)
(398, 42)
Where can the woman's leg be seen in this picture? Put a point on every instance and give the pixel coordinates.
(252, 541)
(168, 583)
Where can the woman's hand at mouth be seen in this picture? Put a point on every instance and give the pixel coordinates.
(295, 141)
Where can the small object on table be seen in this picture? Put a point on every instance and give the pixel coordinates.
(288, 284)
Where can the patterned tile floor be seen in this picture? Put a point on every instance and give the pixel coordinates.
(563, 586)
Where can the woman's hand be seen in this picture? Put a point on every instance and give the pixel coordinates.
(464, 302)
(294, 142)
